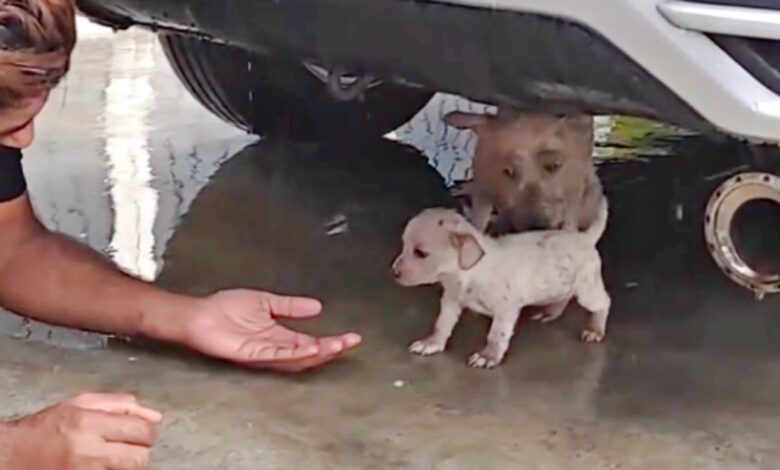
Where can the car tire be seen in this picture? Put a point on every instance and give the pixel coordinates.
(267, 95)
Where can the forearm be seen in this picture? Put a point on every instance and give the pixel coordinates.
(7, 444)
(54, 279)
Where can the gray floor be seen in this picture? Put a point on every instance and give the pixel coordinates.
(688, 379)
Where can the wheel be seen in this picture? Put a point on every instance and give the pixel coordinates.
(741, 223)
(270, 94)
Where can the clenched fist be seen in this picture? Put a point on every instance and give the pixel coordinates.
(87, 432)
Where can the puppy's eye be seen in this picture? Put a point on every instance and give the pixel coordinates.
(510, 172)
(418, 253)
(552, 167)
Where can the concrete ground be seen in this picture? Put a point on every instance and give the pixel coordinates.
(689, 377)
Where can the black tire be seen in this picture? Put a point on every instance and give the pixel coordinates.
(268, 94)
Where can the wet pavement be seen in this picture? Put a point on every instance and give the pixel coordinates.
(688, 377)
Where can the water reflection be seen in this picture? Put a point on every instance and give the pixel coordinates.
(121, 152)
(129, 96)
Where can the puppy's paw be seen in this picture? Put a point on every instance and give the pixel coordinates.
(488, 358)
(590, 336)
(427, 346)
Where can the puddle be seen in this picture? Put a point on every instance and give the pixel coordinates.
(121, 152)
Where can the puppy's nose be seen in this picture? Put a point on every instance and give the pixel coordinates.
(394, 269)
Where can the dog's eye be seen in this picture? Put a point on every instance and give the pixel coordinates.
(510, 172)
(420, 253)
(552, 167)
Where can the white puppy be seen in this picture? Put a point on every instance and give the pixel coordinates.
(498, 277)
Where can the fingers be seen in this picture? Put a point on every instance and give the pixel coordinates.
(303, 364)
(299, 346)
(306, 364)
(121, 442)
(338, 344)
(265, 352)
(332, 344)
(292, 307)
(126, 457)
(295, 365)
(329, 349)
(125, 429)
(347, 340)
(116, 403)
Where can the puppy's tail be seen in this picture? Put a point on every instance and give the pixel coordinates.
(597, 228)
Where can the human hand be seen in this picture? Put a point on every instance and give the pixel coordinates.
(239, 326)
(89, 431)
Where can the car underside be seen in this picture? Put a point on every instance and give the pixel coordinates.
(712, 66)
(605, 57)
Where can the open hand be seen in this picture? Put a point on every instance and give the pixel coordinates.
(239, 326)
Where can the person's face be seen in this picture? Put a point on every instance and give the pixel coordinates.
(17, 128)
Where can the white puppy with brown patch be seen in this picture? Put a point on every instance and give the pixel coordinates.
(498, 277)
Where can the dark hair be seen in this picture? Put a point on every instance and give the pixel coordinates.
(36, 40)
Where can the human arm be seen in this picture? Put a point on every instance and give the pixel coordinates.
(52, 278)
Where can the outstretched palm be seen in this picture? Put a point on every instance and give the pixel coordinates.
(239, 326)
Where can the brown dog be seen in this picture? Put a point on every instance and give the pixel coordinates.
(535, 170)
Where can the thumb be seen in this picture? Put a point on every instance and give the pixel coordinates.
(116, 403)
(291, 307)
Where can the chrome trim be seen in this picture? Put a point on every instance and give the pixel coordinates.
(758, 23)
(719, 217)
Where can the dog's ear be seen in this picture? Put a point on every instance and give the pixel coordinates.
(508, 113)
(469, 250)
(462, 120)
(576, 123)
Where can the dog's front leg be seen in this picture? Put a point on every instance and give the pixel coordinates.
(501, 331)
(571, 221)
(481, 210)
(591, 201)
(449, 313)
(572, 209)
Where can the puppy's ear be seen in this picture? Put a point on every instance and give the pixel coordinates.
(469, 250)
(461, 120)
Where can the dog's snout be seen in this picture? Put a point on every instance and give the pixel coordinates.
(529, 190)
(394, 268)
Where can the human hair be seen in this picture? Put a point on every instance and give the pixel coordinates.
(36, 41)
